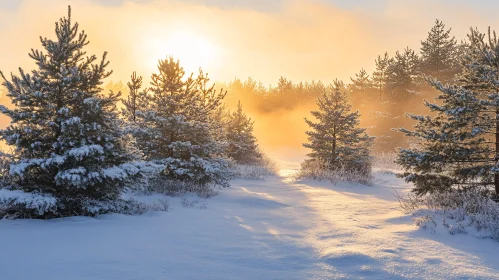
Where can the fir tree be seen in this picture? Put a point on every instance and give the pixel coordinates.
(65, 132)
(336, 140)
(438, 53)
(176, 128)
(242, 145)
(459, 147)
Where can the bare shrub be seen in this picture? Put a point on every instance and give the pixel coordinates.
(161, 185)
(316, 171)
(265, 167)
(194, 203)
(458, 210)
(161, 205)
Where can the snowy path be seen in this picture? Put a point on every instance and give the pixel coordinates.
(271, 229)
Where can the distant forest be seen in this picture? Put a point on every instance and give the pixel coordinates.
(396, 86)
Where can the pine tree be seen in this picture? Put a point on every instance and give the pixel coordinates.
(66, 133)
(403, 73)
(460, 146)
(284, 86)
(380, 74)
(242, 146)
(176, 128)
(438, 53)
(451, 145)
(136, 101)
(361, 84)
(336, 140)
(220, 119)
(480, 74)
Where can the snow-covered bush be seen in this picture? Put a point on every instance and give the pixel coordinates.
(263, 168)
(16, 204)
(465, 211)
(314, 170)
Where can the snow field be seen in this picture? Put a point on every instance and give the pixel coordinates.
(275, 228)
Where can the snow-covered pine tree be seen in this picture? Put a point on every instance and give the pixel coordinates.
(242, 146)
(459, 147)
(438, 53)
(65, 132)
(176, 126)
(336, 140)
(450, 146)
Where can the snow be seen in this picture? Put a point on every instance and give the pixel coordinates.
(276, 228)
(39, 202)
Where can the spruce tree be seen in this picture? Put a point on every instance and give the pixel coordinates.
(175, 126)
(65, 132)
(438, 53)
(242, 146)
(459, 147)
(336, 140)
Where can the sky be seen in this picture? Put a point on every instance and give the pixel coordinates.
(297, 39)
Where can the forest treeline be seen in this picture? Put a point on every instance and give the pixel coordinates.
(397, 85)
(382, 97)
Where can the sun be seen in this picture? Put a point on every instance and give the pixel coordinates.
(193, 51)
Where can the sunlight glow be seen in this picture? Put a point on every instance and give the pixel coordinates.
(192, 50)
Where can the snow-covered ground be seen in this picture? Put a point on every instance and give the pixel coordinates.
(271, 229)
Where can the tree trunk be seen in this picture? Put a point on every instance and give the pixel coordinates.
(496, 175)
(333, 150)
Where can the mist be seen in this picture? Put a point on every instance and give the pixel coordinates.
(299, 40)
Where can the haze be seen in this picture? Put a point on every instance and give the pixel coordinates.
(300, 40)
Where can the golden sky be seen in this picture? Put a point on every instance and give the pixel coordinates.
(301, 40)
